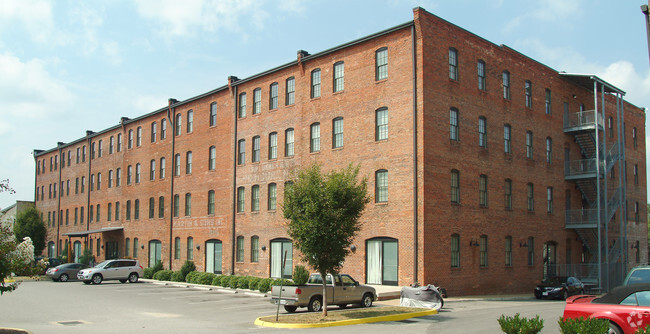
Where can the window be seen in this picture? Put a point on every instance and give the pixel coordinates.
(240, 249)
(190, 121)
(508, 249)
(211, 202)
(549, 199)
(256, 149)
(99, 183)
(188, 162)
(178, 124)
(530, 197)
(177, 164)
(100, 152)
(163, 129)
(255, 198)
(528, 89)
(152, 207)
(315, 83)
(381, 186)
(98, 246)
(633, 139)
(92, 154)
(291, 91)
(288, 142)
(78, 157)
(138, 141)
(507, 190)
(453, 64)
(453, 124)
(506, 85)
(481, 75)
(154, 129)
(529, 144)
(337, 132)
(137, 173)
(381, 64)
(272, 196)
(455, 186)
(241, 201)
(507, 148)
(381, 124)
(273, 96)
(177, 248)
(242, 105)
(161, 207)
(482, 132)
(257, 101)
(130, 140)
(111, 144)
(636, 174)
(339, 69)
(547, 102)
(136, 209)
(177, 204)
(117, 211)
(98, 215)
(273, 145)
(549, 149)
(636, 212)
(162, 168)
(610, 127)
(482, 191)
(188, 205)
(241, 152)
(190, 248)
(455, 251)
(213, 114)
(109, 212)
(152, 169)
(128, 210)
(127, 247)
(212, 158)
(118, 177)
(531, 250)
(483, 245)
(314, 145)
(83, 185)
(255, 252)
(92, 184)
(135, 248)
(83, 154)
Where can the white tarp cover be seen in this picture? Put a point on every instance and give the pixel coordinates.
(426, 296)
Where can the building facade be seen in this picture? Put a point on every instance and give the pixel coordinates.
(488, 170)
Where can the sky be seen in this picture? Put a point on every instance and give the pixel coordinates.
(68, 66)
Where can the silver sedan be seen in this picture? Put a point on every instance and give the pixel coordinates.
(65, 271)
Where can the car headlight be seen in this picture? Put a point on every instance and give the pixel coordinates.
(557, 289)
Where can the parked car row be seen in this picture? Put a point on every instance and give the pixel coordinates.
(118, 269)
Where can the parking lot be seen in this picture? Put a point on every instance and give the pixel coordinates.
(72, 307)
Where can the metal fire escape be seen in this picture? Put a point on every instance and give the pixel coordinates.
(607, 256)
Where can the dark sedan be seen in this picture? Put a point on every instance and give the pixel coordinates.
(65, 271)
(559, 287)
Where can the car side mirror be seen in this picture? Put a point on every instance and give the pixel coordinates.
(356, 283)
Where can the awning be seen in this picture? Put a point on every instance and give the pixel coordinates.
(85, 233)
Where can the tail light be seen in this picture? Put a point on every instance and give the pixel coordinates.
(298, 291)
(54, 270)
(141, 267)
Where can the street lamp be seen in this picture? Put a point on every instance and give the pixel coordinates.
(644, 10)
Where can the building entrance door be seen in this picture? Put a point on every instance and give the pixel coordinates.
(213, 256)
(381, 261)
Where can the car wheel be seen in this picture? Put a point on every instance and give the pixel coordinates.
(565, 294)
(613, 329)
(54, 279)
(366, 301)
(97, 279)
(133, 278)
(86, 282)
(122, 281)
(64, 278)
(290, 308)
(315, 304)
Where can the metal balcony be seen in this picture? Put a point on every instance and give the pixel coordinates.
(582, 121)
(581, 218)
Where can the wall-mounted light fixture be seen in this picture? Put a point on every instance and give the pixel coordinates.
(353, 248)
(198, 247)
(102, 246)
(263, 248)
(141, 246)
(473, 242)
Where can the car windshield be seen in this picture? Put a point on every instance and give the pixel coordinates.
(103, 264)
(639, 276)
(555, 280)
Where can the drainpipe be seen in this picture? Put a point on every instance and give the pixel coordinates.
(231, 81)
(415, 158)
(90, 162)
(58, 200)
(170, 117)
(645, 11)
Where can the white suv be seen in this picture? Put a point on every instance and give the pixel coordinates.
(118, 269)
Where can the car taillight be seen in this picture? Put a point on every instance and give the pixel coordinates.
(54, 270)
(298, 291)
(141, 267)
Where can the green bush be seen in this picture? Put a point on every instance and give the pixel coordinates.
(582, 325)
(244, 282)
(519, 325)
(225, 280)
(205, 278)
(187, 268)
(191, 277)
(282, 281)
(86, 257)
(148, 273)
(163, 275)
(253, 282)
(645, 330)
(264, 285)
(217, 280)
(157, 267)
(300, 275)
(234, 282)
(177, 276)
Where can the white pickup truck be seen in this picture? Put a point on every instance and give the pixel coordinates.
(343, 291)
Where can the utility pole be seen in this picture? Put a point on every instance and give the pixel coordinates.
(644, 9)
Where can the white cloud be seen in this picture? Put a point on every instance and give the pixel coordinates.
(34, 15)
(89, 21)
(548, 11)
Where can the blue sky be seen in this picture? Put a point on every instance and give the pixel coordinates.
(69, 66)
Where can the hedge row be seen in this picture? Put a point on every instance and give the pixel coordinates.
(226, 281)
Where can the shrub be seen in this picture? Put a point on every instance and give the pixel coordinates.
(217, 280)
(225, 281)
(282, 281)
(148, 272)
(244, 282)
(177, 276)
(187, 268)
(86, 257)
(163, 275)
(205, 278)
(253, 282)
(234, 282)
(189, 278)
(264, 285)
(300, 275)
(582, 325)
(518, 325)
(157, 267)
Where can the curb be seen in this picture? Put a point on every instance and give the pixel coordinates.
(203, 287)
(392, 317)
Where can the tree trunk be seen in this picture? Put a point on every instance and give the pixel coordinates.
(324, 276)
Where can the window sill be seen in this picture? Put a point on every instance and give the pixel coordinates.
(339, 92)
(381, 203)
(334, 149)
(380, 81)
(315, 98)
(316, 152)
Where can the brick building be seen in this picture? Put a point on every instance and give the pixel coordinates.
(489, 170)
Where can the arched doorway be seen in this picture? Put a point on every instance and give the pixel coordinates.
(213, 256)
(51, 252)
(155, 252)
(382, 261)
(278, 249)
(77, 251)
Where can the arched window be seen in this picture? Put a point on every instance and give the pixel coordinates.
(381, 64)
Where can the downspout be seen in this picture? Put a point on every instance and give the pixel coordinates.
(88, 133)
(415, 159)
(234, 185)
(58, 203)
(170, 117)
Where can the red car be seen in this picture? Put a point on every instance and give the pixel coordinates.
(626, 307)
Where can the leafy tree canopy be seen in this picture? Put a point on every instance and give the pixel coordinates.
(29, 224)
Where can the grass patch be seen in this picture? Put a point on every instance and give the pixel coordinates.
(339, 315)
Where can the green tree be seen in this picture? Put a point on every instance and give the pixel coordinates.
(323, 213)
(29, 224)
